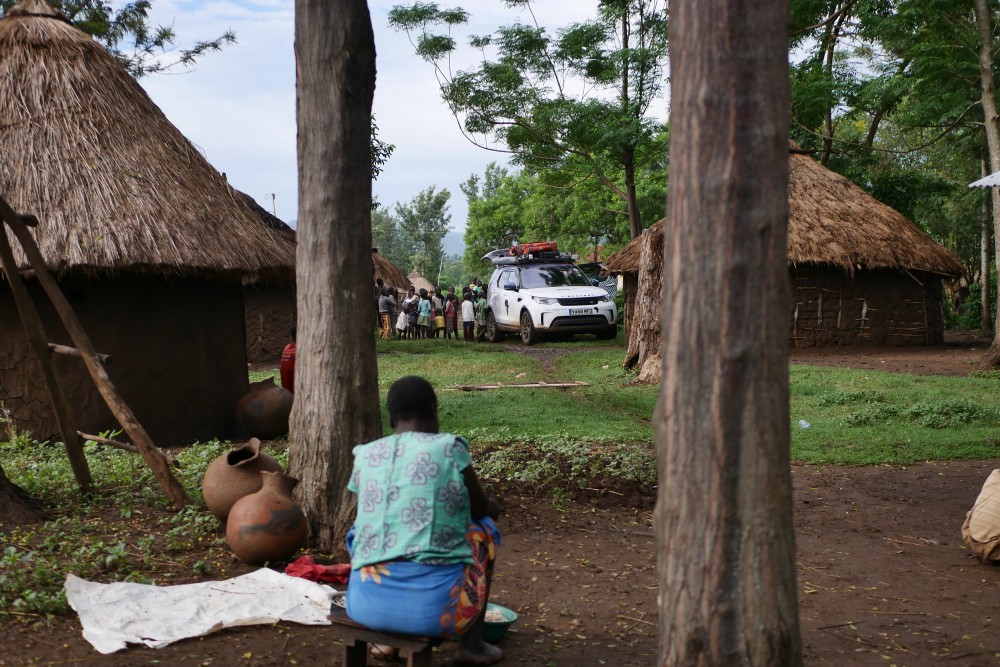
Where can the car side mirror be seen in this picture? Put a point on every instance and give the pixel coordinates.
(510, 286)
(595, 282)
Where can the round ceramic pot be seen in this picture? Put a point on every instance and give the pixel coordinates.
(267, 526)
(234, 475)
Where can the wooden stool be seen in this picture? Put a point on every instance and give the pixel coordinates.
(356, 637)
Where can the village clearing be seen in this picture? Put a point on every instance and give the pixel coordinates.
(883, 576)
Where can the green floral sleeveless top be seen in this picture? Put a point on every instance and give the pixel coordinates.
(412, 500)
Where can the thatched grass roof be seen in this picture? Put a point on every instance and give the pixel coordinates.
(418, 281)
(388, 272)
(115, 185)
(833, 221)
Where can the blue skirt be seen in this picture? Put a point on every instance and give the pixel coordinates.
(421, 599)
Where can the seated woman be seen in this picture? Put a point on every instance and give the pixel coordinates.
(423, 542)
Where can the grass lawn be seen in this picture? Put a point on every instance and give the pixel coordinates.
(855, 417)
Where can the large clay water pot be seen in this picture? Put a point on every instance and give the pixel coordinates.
(263, 411)
(234, 475)
(267, 526)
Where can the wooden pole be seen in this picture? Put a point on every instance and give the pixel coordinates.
(122, 412)
(35, 332)
(55, 348)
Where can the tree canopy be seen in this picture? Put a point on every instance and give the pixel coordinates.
(581, 101)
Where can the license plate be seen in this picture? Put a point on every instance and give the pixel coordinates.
(582, 311)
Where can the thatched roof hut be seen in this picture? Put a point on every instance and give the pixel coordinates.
(418, 281)
(861, 272)
(832, 221)
(388, 272)
(150, 243)
(115, 184)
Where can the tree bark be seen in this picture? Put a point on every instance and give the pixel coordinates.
(336, 390)
(645, 340)
(725, 541)
(16, 508)
(984, 22)
(985, 323)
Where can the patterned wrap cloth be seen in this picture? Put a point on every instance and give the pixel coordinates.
(419, 564)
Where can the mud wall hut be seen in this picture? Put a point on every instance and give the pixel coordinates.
(861, 273)
(270, 307)
(147, 240)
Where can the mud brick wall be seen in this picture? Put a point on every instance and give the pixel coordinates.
(178, 356)
(872, 307)
(270, 314)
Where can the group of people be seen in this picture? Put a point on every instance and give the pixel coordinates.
(432, 313)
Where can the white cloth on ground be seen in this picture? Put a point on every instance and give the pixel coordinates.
(113, 615)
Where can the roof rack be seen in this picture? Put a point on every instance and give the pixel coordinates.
(540, 258)
(528, 253)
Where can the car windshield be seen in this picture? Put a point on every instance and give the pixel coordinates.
(552, 276)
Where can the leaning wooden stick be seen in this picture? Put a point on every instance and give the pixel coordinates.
(122, 412)
(35, 332)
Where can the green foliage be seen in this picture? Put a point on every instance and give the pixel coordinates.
(523, 93)
(422, 225)
(129, 37)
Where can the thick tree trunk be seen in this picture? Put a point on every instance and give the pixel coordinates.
(984, 22)
(336, 391)
(646, 337)
(16, 508)
(724, 513)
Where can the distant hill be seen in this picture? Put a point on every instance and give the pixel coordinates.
(454, 243)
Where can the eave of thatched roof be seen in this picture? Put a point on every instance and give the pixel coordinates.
(115, 185)
(833, 221)
(388, 272)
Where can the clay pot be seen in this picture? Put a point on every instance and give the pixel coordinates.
(263, 411)
(267, 526)
(234, 475)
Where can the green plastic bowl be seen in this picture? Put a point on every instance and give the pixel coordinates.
(495, 631)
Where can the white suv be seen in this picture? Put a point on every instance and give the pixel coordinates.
(534, 297)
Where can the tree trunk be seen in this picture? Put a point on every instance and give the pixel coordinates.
(16, 508)
(989, 101)
(725, 540)
(985, 322)
(630, 285)
(336, 391)
(646, 337)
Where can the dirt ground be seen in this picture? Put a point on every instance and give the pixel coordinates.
(883, 576)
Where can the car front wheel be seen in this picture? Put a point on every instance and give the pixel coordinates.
(529, 336)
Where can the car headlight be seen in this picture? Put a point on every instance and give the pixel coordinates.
(605, 298)
(545, 300)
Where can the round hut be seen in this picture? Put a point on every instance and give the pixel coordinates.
(270, 304)
(418, 281)
(146, 239)
(861, 272)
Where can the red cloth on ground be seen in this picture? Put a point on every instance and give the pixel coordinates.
(307, 568)
(288, 368)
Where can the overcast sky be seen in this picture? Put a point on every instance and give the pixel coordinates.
(238, 106)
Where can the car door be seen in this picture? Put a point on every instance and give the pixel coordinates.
(502, 300)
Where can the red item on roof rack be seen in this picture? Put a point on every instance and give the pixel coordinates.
(533, 248)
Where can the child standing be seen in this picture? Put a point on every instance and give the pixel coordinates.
(451, 316)
(480, 306)
(424, 315)
(468, 317)
(439, 323)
